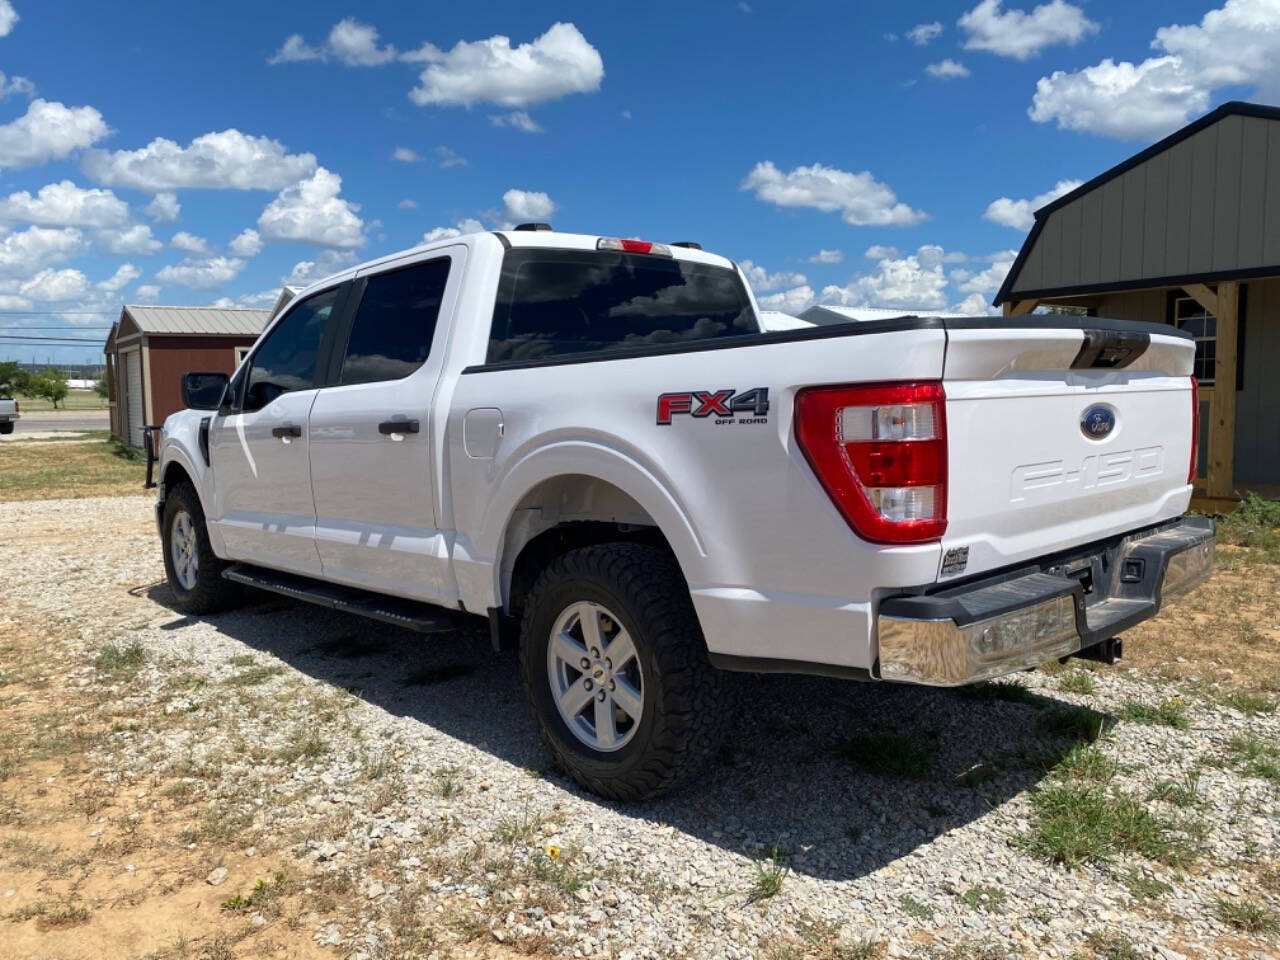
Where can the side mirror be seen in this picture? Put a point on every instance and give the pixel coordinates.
(203, 391)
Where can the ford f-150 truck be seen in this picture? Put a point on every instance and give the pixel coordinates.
(9, 414)
(592, 442)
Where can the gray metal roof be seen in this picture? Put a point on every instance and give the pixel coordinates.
(197, 321)
(1201, 205)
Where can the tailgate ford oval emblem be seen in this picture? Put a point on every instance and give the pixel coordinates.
(1097, 422)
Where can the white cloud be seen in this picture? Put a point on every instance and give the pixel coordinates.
(405, 155)
(974, 305)
(262, 300)
(922, 34)
(827, 256)
(1235, 45)
(556, 64)
(8, 18)
(201, 274)
(147, 293)
(915, 282)
(26, 251)
(448, 233)
(528, 204)
(49, 131)
(988, 281)
(311, 211)
(448, 158)
(880, 252)
(134, 240)
(124, 275)
(164, 207)
(1021, 35)
(947, 69)
(247, 243)
(517, 119)
(16, 86)
(327, 263)
(63, 204)
(861, 199)
(189, 242)
(228, 160)
(408, 204)
(761, 279)
(53, 286)
(1019, 214)
(350, 42)
(792, 301)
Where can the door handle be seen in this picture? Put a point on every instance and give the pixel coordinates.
(287, 431)
(388, 427)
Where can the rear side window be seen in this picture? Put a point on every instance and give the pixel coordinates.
(556, 302)
(392, 331)
(286, 359)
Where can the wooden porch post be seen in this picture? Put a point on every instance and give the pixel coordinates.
(1220, 481)
(1019, 308)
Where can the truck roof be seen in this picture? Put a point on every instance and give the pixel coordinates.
(551, 239)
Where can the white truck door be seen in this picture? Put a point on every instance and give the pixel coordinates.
(258, 451)
(372, 462)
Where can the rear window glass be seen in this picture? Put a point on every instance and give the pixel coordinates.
(556, 302)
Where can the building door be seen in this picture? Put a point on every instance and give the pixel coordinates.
(372, 434)
(259, 450)
(134, 418)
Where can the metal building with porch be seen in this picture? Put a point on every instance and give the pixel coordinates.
(1187, 232)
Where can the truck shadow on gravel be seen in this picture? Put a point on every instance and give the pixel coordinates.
(842, 776)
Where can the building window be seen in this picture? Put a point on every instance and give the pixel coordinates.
(1190, 316)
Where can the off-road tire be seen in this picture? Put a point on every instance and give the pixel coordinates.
(684, 702)
(6, 427)
(211, 592)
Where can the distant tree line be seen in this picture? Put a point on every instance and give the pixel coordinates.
(48, 384)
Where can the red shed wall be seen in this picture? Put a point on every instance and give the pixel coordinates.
(171, 357)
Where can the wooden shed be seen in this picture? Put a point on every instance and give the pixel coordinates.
(150, 348)
(1187, 232)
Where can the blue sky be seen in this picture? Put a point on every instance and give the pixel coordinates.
(853, 153)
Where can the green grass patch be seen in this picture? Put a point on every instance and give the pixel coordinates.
(1250, 704)
(888, 754)
(1107, 945)
(770, 873)
(914, 908)
(1079, 823)
(1180, 793)
(1073, 723)
(117, 660)
(1246, 915)
(44, 471)
(1255, 756)
(1255, 523)
(988, 899)
(1086, 763)
(1076, 681)
(1143, 887)
(1170, 712)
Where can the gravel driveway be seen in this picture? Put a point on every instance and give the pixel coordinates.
(402, 778)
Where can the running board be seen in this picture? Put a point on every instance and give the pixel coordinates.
(422, 617)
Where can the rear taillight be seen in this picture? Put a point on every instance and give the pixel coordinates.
(880, 452)
(633, 246)
(1195, 429)
(16, 408)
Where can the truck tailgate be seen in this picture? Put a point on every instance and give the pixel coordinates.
(1059, 436)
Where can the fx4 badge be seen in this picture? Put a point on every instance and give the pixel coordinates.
(724, 405)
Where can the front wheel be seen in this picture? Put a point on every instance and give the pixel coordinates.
(616, 672)
(192, 569)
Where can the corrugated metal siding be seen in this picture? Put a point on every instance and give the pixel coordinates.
(1258, 404)
(1207, 204)
(198, 320)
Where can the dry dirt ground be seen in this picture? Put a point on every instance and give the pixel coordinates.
(282, 781)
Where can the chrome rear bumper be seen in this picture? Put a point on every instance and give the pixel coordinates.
(959, 635)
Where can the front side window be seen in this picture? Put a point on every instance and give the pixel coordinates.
(556, 302)
(1190, 316)
(286, 360)
(392, 331)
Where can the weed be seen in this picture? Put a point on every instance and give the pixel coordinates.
(1112, 946)
(1250, 704)
(264, 898)
(514, 830)
(242, 660)
(1184, 793)
(770, 872)
(1073, 723)
(989, 899)
(914, 908)
(891, 754)
(1076, 681)
(255, 675)
(1143, 887)
(1171, 712)
(1086, 763)
(1080, 823)
(447, 783)
(120, 660)
(1247, 915)
(304, 744)
(1256, 757)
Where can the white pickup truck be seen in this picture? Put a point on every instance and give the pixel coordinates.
(592, 442)
(9, 414)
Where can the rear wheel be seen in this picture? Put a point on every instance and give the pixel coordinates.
(6, 426)
(616, 672)
(192, 569)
